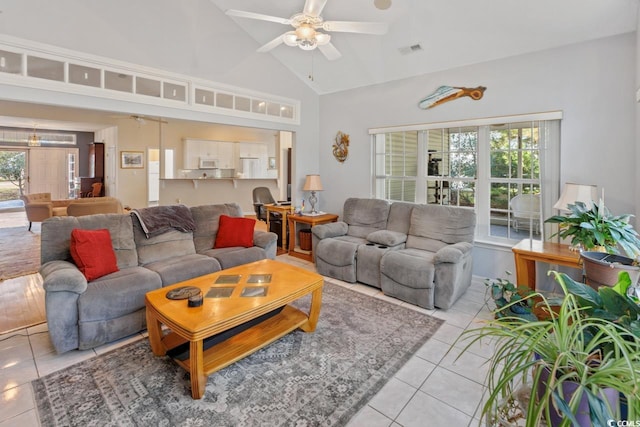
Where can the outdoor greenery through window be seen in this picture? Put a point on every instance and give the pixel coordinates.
(492, 168)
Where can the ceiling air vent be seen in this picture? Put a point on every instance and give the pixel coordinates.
(410, 49)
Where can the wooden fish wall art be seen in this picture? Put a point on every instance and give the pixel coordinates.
(341, 147)
(448, 93)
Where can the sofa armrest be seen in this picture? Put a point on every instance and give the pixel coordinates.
(264, 238)
(62, 276)
(387, 237)
(39, 211)
(452, 253)
(332, 229)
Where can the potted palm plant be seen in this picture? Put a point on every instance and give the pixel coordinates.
(598, 235)
(568, 369)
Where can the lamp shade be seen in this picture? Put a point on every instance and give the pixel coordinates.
(312, 183)
(572, 193)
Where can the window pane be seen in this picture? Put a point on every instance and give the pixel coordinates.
(499, 198)
(499, 164)
(463, 165)
(461, 193)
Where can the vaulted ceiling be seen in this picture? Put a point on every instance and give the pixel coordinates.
(450, 33)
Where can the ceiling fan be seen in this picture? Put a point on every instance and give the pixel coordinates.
(306, 24)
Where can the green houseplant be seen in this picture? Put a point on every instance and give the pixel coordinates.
(589, 228)
(554, 366)
(594, 231)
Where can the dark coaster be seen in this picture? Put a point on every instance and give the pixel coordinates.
(183, 292)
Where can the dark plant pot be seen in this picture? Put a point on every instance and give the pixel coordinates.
(568, 389)
(602, 269)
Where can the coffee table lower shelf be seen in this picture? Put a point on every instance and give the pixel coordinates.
(236, 347)
(249, 341)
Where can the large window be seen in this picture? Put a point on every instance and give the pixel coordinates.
(493, 166)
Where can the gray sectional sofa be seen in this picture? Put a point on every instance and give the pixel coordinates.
(421, 254)
(83, 314)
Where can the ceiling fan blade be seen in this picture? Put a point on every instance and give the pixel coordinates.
(314, 7)
(272, 44)
(330, 51)
(251, 15)
(356, 27)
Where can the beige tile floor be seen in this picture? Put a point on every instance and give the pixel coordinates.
(432, 389)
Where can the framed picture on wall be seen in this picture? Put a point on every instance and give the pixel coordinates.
(132, 159)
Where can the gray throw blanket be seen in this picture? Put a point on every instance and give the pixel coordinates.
(160, 219)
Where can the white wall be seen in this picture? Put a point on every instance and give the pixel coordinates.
(592, 83)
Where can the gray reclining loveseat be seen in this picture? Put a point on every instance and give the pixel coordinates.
(421, 254)
(82, 314)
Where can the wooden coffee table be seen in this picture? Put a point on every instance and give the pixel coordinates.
(252, 321)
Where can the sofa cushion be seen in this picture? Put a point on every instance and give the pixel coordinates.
(179, 268)
(365, 215)
(433, 227)
(56, 237)
(93, 253)
(170, 244)
(234, 231)
(230, 257)
(116, 294)
(207, 219)
(339, 251)
(400, 217)
(412, 268)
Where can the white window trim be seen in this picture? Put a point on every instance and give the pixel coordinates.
(549, 115)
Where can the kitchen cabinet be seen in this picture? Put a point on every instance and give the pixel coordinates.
(252, 150)
(226, 155)
(221, 151)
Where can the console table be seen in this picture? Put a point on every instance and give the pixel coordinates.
(528, 251)
(309, 221)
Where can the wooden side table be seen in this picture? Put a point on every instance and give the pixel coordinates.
(528, 251)
(307, 222)
(284, 211)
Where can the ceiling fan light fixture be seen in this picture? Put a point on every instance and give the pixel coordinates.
(308, 44)
(322, 38)
(305, 32)
(290, 38)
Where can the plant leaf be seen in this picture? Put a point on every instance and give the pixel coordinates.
(587, 296)
(624, 281)
(598, 411)
(618, 304)
(563, 408)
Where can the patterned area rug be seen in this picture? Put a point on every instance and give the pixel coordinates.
(320, 378)
(19, 252)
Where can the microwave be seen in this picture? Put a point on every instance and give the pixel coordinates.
(206, 163)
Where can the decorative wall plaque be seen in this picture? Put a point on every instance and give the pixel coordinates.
(448, 93)
(341, 147)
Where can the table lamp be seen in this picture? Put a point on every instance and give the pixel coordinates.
(313, 184)
(572, 193)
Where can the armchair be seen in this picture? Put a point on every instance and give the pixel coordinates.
(39, 206)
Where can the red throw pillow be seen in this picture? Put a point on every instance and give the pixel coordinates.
(93, 253)
(234, 231)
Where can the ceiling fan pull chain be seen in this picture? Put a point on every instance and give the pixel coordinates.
(311, 74)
